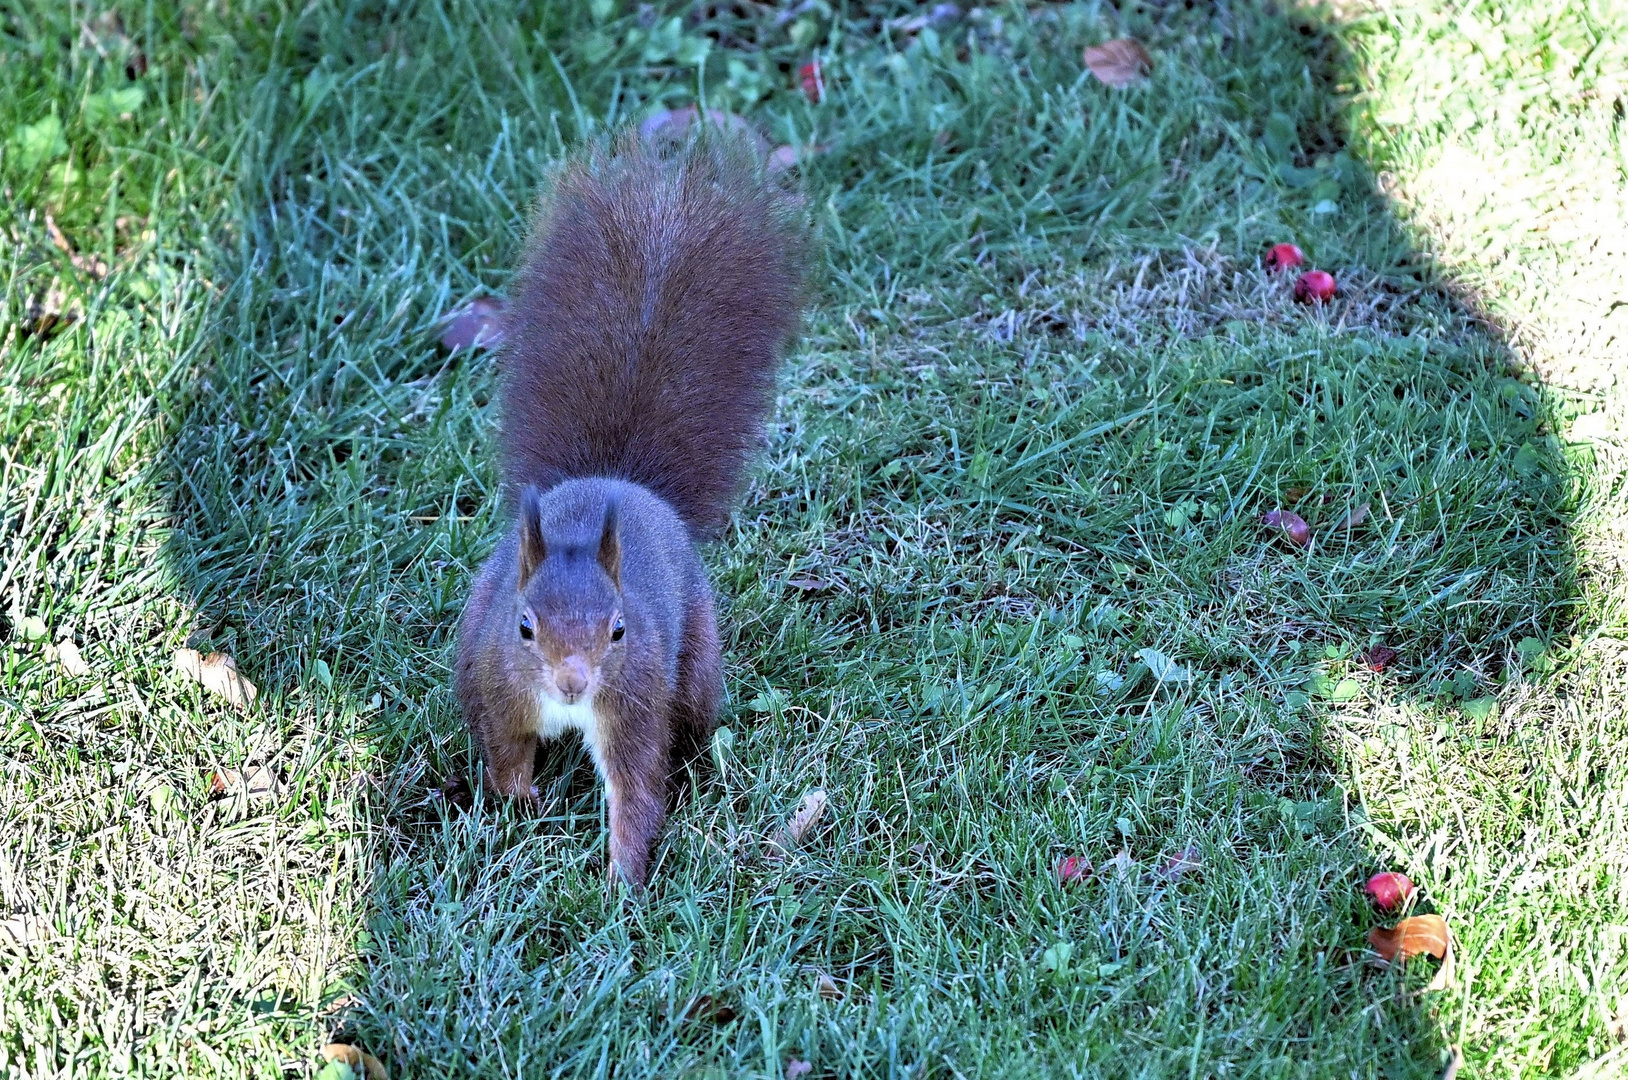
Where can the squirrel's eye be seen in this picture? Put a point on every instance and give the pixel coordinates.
(617, 629)
(525, 628)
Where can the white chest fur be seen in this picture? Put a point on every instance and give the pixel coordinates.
(555, 718)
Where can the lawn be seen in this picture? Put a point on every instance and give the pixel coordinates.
(1000, 586)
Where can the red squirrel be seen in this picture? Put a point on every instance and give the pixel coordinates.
(660, 289)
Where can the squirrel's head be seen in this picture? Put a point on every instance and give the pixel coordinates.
(568, 629)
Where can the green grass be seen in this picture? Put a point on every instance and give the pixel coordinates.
(1040, 404)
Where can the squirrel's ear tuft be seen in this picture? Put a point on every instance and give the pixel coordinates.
(610, 545)
(532, 547)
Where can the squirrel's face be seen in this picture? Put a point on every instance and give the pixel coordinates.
(568, 626)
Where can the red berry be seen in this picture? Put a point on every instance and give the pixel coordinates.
(1388, 890)
(1073, 869)
(813, 81)
(1283, 257)
(1314, 285)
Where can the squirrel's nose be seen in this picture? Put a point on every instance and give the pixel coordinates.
(571, 677)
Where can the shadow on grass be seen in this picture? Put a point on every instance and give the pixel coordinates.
(1045, 401)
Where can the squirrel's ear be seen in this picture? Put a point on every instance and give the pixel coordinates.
(610, 545)
(532, 547)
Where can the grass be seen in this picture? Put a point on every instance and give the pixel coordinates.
(1040, 405)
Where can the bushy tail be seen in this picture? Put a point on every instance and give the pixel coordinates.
(659, 292)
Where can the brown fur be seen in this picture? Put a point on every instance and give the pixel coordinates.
(646, 330)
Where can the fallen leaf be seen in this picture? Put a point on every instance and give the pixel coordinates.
(88, 264)
(673, 125)
(1119, 63)
(23, 929)
(1291, 524)
(1379, 657)
(479, 325)
(1074, 869)
(1162, 668)
(807, 584)
(72, 661)
(812, 80)
(455, 791)
(802, 822)
(1058, 959)
(1123, 864)
(356, 1059)
(53, 311)
(827, 988)
(1353, 517)
(257, 780)
(797, 1067)
(1444, 975)
(32, 628)
(708, 1009)
(35, 144)
(1182, 863)
(217, 673)
(1421, 934)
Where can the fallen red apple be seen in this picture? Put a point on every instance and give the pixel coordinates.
(1294, 527)
(1073, 869)
(1314, 285)
(1283, 257)
(1388, 890)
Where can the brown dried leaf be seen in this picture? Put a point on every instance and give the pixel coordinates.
(708, 1009)
(802, 822)
(1418, 935)
(356, 1059)
(1185, 862)
(217, 673)
(827, 988)
(88, 264)
(477, 326)
(1380, 657)
(797, 1067)
(257, 780)
(1119, 63)
(1353, 517)
(456, 791)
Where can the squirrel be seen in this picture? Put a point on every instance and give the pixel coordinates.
(660, 289)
